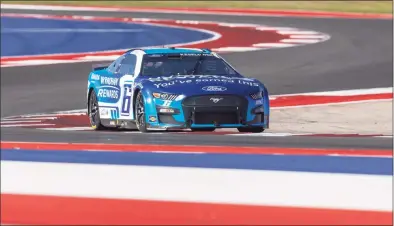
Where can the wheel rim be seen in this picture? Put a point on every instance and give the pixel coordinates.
(93, 110)
(140, 113)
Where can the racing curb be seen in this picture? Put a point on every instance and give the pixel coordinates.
(209, 11)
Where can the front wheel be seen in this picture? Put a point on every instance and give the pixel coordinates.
(251, 129)
(140, 119)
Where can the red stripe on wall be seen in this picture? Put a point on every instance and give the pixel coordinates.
(32, 209)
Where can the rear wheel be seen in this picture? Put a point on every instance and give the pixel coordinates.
(140, 119)
(251, 129)
(203, 129)
(94, 114)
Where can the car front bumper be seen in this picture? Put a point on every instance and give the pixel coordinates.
(231, 111)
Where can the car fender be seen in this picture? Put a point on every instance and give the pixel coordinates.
(149, 103)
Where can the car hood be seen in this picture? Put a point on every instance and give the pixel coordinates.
(202, 84)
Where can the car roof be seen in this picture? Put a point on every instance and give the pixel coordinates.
(172, 50)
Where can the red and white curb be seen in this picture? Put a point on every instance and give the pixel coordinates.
(202, 11)
(77, 120)
(228, 37)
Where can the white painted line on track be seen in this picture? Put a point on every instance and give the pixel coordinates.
(67, 30)
(56, 114)
(300, 40)
(54, 8)
(268, 134)
(38, 62)
(308, 36)
(26, 121)
(297, 32)
(236, 25)
(274, 45)
(69, 128)
(109, 57)
(264, 28)
(24, 125)
(236, 49)
(352, 92)
(226, 186)
(332, 104)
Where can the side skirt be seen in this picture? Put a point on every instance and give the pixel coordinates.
(119, 124)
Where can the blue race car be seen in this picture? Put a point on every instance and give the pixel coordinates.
(175, 88)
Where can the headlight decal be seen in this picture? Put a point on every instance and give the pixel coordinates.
(164, 96)
(256, 96)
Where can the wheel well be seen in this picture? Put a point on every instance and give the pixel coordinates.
(135, 96)
(90, 92)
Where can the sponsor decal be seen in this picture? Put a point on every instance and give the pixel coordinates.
(152, 118)
(109, 81)
(114, 113)
(196, 54)
(95, 77)
(109, 112)
(248, 83)
(165, 84)
(104, 112)
(108, 93)
(214, 88)
(172, 77)
(215, 100)
(187, 79)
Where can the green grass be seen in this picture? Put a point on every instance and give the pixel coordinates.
(336, 6)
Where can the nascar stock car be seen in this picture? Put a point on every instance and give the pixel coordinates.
(175, 88)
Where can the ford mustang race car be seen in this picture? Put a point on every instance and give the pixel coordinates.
(175, 88)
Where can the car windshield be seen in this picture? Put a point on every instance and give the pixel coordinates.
(185, 64)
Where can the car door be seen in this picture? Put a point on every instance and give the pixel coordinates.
(126, 85)
(108, 92)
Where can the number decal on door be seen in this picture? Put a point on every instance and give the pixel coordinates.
(126, 102)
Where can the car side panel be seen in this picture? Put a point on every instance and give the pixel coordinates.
(106, 87)
(114, 88)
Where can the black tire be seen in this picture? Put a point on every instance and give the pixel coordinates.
(94, 112)
(139, 112)
(251, 129)
(203, 129)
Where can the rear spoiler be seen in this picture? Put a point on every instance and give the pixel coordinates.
(96, 67)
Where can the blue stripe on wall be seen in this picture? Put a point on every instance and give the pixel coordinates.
(329, 164)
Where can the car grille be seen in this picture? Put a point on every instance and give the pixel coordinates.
(215, 101)
(167, 119)
(216, 118)
(215, 109)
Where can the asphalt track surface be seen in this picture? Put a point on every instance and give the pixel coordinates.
(358, 55)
